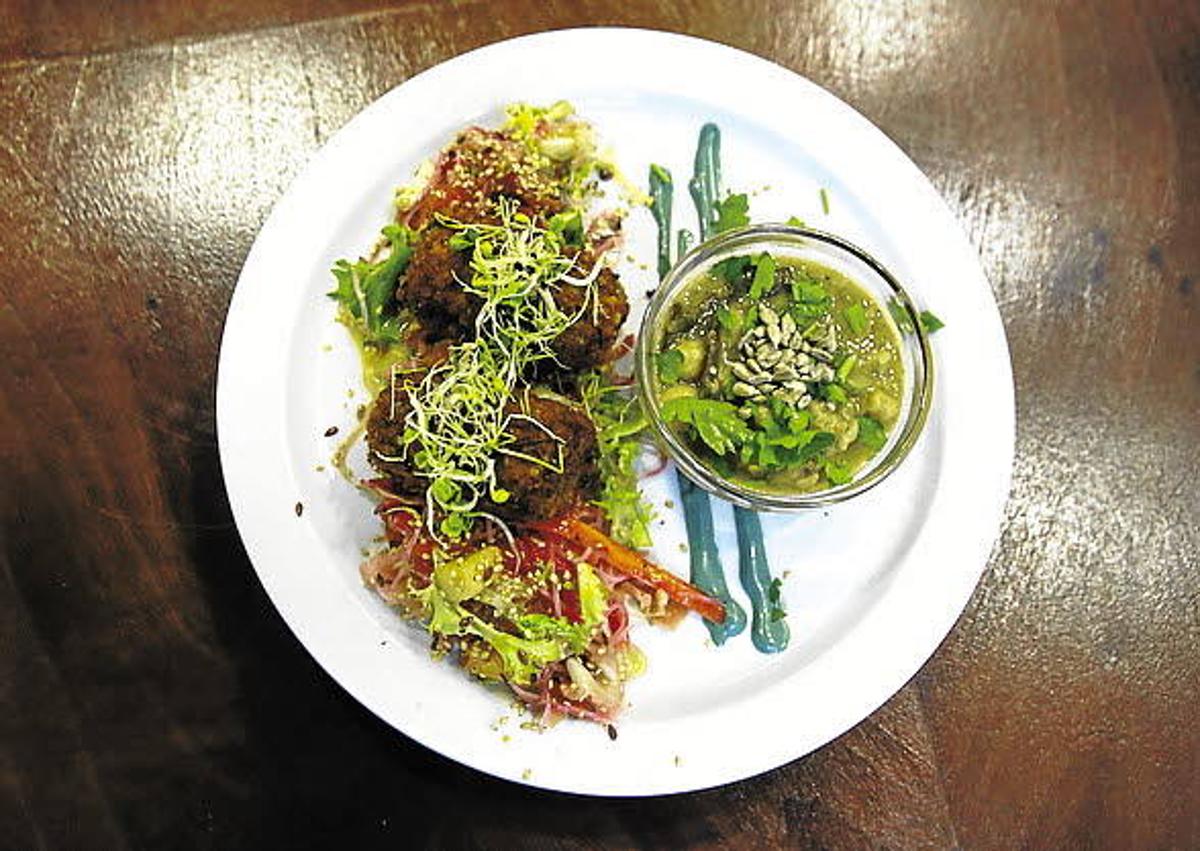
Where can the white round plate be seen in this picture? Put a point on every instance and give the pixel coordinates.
(871, 587)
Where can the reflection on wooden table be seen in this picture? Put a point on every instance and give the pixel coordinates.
(155, 698)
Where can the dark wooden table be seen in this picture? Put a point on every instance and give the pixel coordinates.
(153, 698)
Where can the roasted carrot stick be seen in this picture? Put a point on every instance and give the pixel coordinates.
(631, 564)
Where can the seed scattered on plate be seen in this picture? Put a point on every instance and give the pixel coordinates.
(299, 508)
(331, 431)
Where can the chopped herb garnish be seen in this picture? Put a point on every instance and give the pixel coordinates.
(824, 200)
(732, 213)
(871, 433)
(856, 318)
(837, 473)
(900, 315)
(847, 366)
(930, 322)
(811, 300)
(775, 598)
(569, 227)
(764, 276)
(833, 393)
(669, 364)
(732, 269)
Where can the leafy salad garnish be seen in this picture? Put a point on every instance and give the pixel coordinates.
(620, 424)
(365, 290)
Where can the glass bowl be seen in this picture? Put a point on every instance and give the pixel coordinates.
(833, 252)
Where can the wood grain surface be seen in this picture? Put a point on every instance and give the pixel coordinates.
(152, 697)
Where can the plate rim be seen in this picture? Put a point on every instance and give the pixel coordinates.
(230, 384)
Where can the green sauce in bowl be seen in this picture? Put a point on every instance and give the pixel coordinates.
(773, 369)
(803, 366)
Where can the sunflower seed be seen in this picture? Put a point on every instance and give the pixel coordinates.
(787, 325)
(767, 315)
(741, 388)
(741, 371)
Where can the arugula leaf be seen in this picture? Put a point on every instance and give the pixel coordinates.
(930, 322)
(856, 317)
(669, 364)
(871, 433)
(716, 423)
(365, 290)
(732, 213)
(764, 276)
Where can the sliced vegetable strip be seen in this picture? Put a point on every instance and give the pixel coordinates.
(631, 564)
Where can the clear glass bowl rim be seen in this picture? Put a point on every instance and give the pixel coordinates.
(761, 237)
